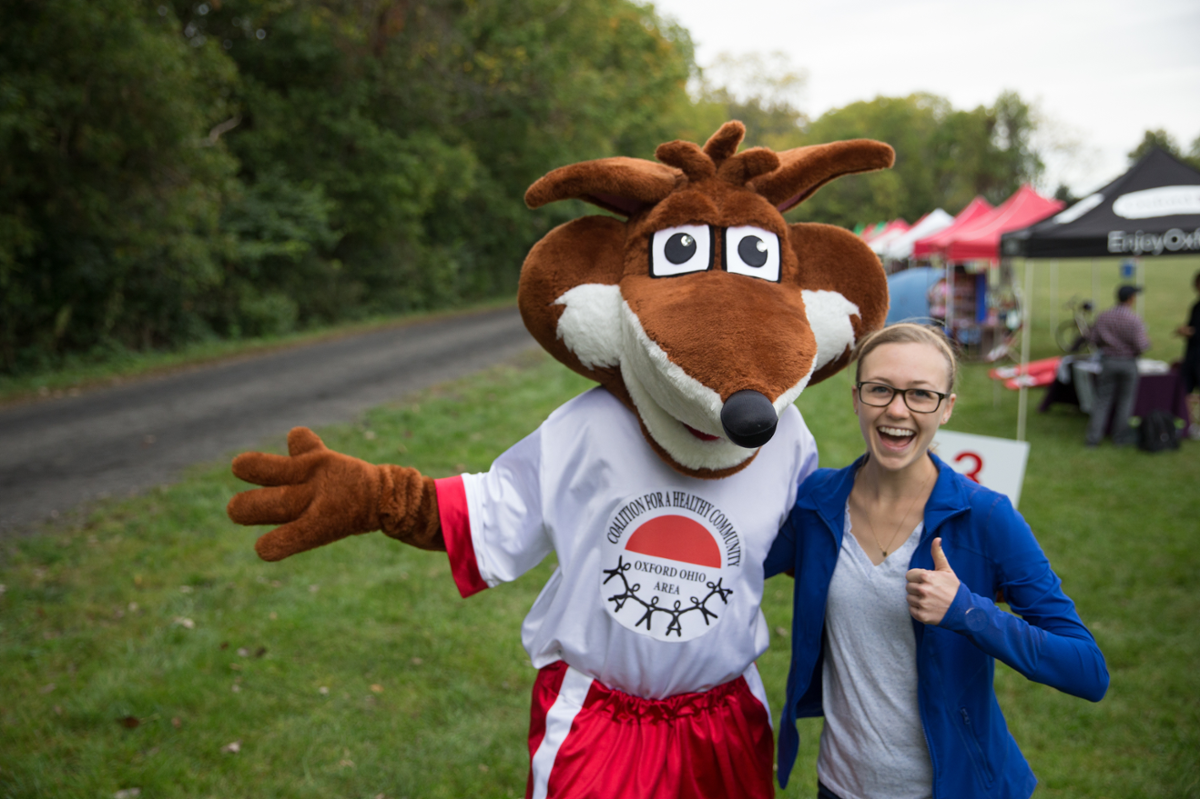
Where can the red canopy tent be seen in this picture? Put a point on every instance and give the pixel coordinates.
(872, 233)
(923, 248)
(979, 240)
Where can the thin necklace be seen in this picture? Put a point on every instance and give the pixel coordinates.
(911, 505)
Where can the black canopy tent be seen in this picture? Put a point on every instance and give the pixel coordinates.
(1152, 210)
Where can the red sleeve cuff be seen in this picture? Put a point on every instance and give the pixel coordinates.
(456, 529)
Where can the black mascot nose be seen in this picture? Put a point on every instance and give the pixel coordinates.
(749, 419)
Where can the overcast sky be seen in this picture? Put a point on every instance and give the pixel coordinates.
(1100, 72)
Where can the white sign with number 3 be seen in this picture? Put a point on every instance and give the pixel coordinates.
(995, 463)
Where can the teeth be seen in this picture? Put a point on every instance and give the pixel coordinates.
(897, 431)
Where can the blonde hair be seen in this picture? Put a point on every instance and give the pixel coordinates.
(907, 333)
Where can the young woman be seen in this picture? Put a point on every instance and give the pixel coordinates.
(898, 562)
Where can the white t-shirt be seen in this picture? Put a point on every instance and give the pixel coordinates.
(872, 744)
(659, 576)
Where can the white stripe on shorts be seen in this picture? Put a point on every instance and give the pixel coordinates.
(567, 704)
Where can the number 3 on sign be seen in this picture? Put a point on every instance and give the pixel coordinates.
(971, 472)
(995, 463)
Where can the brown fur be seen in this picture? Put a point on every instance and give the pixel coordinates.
(732, 331)
(320, 496)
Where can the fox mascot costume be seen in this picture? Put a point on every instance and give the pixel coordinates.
(702, 314)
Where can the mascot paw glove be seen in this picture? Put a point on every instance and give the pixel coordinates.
(319, 496)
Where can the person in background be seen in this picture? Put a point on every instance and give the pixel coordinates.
(937, 297)
(1120, 336)
(1191, 363)
(899, 561)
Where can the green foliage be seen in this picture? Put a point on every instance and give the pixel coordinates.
(762, 92)
(178, 171)
(1162, 140)
(110, 191)
(944, 157)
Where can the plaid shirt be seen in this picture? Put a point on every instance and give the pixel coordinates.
(1120, 333)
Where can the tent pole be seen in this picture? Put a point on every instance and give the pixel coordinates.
(1141, 282)
(949, 318)
(1026, 334)
(1053, 294)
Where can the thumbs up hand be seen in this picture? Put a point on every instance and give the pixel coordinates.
(930, 593)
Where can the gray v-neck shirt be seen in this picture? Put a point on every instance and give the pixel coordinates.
(872, 744)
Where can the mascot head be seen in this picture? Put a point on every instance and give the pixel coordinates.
(703, 311)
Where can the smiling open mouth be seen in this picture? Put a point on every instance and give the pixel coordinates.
(895, 436)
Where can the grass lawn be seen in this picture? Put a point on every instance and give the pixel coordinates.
(1165, 302)
(142, 646)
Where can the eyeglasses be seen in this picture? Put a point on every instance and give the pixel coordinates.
(918, 400)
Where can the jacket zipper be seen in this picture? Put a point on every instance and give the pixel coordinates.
(987, 771)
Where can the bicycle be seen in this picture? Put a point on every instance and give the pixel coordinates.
(1074, 334)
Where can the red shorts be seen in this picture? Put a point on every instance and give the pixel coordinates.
(590, 741)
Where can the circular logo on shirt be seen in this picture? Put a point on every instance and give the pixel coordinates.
(669, 559)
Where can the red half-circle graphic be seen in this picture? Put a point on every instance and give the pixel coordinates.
(676, 538)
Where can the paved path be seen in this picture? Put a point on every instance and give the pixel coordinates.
(57, 455)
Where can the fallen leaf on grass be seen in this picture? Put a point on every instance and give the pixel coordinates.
(484, 768)
(176, 722)
(262, 650)
(58, 709)
(127, 793)
(224, 645)
(3, 588)
(417, 661)
(185, 589)
(185, 623)
(377, 688)
(323, 691)
(236, 688)
(243, 652)
(129, 722)
(312, 589)
(47, 688)
(233, 748)
(344, 763)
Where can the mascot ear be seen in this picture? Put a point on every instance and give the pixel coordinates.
(622, 185)
(845, 291)
(803, 170)
(569, 296)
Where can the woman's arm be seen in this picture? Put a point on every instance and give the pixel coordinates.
(1048, 643)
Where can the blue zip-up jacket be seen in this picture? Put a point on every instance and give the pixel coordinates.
(993, 551)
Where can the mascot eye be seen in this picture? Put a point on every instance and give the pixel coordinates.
(680, 250)
(752, 251)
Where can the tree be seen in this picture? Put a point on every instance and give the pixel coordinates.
(761, 91)
(944, 157)
(1152, 139)
(112, 177)
(174, 169)
(1165, 141)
